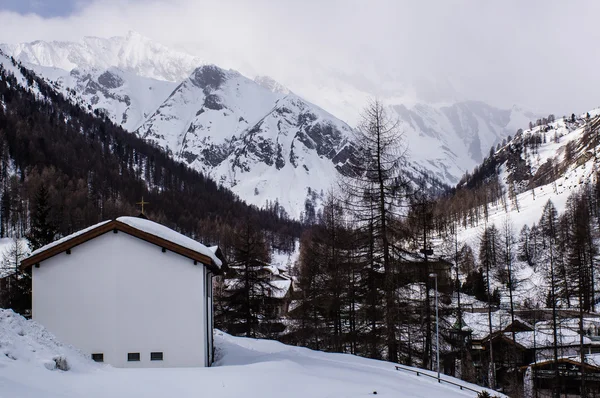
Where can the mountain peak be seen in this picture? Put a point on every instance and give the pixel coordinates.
(208, 77)
(134, 52)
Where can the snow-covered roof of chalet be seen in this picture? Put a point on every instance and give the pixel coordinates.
(139, 227)
(67, 238)
(276, 289)
(568, 334)
(161, 231)
(478, 322)
(281, 288)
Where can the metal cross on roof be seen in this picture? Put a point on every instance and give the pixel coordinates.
(142, 203)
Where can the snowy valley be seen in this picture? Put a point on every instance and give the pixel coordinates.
(485, 231)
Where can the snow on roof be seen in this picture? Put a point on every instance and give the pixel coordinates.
(281, 288)
(163, 232)
(149, 227)
(272, 268)
(568, 333)
(66, 238)
(275, 289)
(478, 322)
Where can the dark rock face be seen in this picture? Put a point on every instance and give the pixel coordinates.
(280, 161)
(110, 80)
(345, 158)
(213, 102)
(208, 77)
(293, 156)
(326, 138)
(214, 155)
(322, 137)
(106, 82)
(189, 156)
(303, 138)
(257, 147)
(92, 88)
(282, 110)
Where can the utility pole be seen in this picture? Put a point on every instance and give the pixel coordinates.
(437, 325)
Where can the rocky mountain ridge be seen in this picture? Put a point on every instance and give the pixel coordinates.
(253, 136)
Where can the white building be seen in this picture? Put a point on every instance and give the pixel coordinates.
(130, 292)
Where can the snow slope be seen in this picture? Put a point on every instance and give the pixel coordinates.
(572, 174)
(534, 187)
(449, 139)
(28, 344)
(244, 367)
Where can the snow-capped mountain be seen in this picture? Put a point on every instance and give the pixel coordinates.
(134, 53)
(448, 140)
(254, 136)
(127, 98)
(263, 144)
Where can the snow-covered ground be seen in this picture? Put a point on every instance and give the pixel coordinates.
(244, 367)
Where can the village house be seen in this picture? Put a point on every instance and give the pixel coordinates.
(540, 377)
(275, 292)
(130, 292)
(529, 348)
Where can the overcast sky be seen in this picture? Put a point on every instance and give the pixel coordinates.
(540, 54)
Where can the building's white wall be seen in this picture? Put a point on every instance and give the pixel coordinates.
(211, 319)
(117, 294)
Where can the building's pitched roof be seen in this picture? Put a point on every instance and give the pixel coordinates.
(140, 228)
(591, 362)
(478, 323)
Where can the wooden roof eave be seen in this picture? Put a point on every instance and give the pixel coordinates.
(115, 225)
(501, 336)
(561, 360)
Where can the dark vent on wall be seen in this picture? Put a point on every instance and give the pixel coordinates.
(133, 357)
(156, 356)
(98, 357)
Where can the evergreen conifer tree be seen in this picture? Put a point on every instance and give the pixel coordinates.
(42, 230)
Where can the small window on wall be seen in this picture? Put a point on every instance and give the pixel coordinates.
(133, 357)
(98, 357)
(156, 356)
